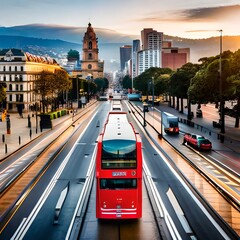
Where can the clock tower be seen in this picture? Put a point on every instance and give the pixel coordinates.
(90, 64)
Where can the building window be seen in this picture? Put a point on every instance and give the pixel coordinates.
(16, 78)
(4, 68)
(89, 66)
(4, 78)
(15, 68)
(10, 97)
(10, 69)
(22, 68)
(10, 78)
(10, 87)
(16, 87)
(21, 87)
(90, 45)
(90, 56)
(20, 78)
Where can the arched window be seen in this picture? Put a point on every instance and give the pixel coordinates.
(90, 56)
(90, 45)
(10, 87)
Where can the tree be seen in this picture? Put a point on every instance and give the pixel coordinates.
(206, 83)
(143, 81)
(62, 84)
(49, 85)
(43, 87)
(207, 79)
(180, 81)
(2, 93)
(101, 85)
(127, 82)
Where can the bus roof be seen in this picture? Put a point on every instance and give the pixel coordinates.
(118, 127)
(169, 114)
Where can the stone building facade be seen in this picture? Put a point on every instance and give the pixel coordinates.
(18, 70)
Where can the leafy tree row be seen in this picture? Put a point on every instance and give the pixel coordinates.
(199, 83)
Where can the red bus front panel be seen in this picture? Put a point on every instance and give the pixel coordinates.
(119, 198)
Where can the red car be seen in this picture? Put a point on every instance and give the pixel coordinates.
(197, 141)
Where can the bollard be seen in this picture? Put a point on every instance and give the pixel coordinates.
(3, 138)
(19, 140)
(5, 148)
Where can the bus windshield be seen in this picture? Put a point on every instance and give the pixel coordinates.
(119, 154)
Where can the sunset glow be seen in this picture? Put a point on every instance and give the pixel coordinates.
(171, 17)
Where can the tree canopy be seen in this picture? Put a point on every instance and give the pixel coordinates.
(48, 85)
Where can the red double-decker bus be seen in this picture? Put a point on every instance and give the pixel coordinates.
(119, 170)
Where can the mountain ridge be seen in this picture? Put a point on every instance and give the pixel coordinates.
(50, 39)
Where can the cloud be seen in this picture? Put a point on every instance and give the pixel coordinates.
(207, 14)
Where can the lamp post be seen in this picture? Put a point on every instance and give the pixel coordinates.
(222, 119)
(89, 78)
(153, 92)
(77, 93)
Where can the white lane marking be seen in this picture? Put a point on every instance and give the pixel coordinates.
(186, 187)
(178, 211)
(25, 227)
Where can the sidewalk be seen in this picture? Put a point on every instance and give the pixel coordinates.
(205, 125)
(20, 133)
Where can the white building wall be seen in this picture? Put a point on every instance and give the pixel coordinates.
(148, 59)
(19, 77)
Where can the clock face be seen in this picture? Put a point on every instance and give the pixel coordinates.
(89, 66)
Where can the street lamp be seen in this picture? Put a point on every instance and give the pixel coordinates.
(77, 93)
(222, 120)
(153, 92)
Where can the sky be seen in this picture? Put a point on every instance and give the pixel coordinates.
(183, 18)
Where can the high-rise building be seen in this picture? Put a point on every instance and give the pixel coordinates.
(148, 59)
(150, 55)
(135, 50)
(125, 55)
(174, 57)
(151, 39)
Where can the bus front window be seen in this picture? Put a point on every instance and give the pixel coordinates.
(119, 154)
